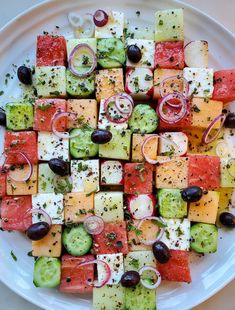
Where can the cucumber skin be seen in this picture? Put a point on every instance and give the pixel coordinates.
(85, 238)
(172, 211)
(40, 261)
(111, 53)
(212, 230)
(143, 119)
(79, 87)
(90, 149)
(19, 115)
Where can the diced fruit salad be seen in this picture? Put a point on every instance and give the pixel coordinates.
(124, 164)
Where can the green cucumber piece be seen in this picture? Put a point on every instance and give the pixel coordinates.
(82, 146)
(140, 298)
(19, 115)
(204, 238)
(143, 119)
(47, 272)
(79, 87)
(171, 204)
(76, 240)
(111, 53)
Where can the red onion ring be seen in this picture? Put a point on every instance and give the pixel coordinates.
(130, 103)
(177, 116)
(37, 212)
(148, 286)
(221, 149)
(54, 120)
(228, 165)
(100, 18)
(174, 77)
(79, 48)
(205, 136)
(107, 268)
(150, 242)
(94, 224)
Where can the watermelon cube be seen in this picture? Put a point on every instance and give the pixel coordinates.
(2, 182)
(75, 279)
(224, 85)
(15, 213)
(51, 51)
(169, 55)
(44, 110)
(138, 178)
(204, 171)
(113, 239)
(24, 141)
(177, 269)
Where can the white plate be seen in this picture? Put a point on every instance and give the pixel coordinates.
(209, 273)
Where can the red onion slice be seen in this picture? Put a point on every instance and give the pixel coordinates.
(174, 78)
(231, 167)
(161, 232)
(121, 99)
(106, 267)
(177, 116)
(100, 18)
(205, 137)
(56, 118)
(158, 275)
(40, 213)
(80, 49)
(94, 224)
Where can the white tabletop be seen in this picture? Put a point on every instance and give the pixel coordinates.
(223, 11)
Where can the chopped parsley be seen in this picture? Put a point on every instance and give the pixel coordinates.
(13, 256)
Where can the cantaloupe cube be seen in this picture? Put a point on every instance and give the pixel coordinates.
(172, 174)
(50, 245)
(22, 187)
(86, 110)
(205, 210)
(162, 74)
(108, 83)
(205, 111)
(227, 172)
(137, 142)
(109, 297)
(78, 206)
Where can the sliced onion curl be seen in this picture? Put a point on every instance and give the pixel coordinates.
(42, 216)
(83, 25)
(75, 20)
(205, 138)
(222, 149)
(96, 283)
(231, 167)
(160, 234)
(94, 224)
(171, 79)
(177, 115)
(153, 161)
(74, 64)
(100, 18)
(56, 118)
(144, 283)
(8, 168)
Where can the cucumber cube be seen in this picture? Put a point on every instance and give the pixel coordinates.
(50, 81)
(169, 25)
(171, 204)
(45, 179)
(136, 260)
(118, 147)
(133, 32)
(79, 87)
(72, 43)
(19, 115)
(138, 297)
(111, 53)
(81, 146)
(109, 297)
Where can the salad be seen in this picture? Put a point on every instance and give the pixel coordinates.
(124, 162)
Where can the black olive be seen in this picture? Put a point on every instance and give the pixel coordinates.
(3, 119)
(192, 193)
(134, 53)
(38, 230)
(59, 166)
(230, 121)
(24, 75)
(100, 136)
(130, 278)
(161, 252)
(227, 219)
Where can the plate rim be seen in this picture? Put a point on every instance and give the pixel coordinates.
(10, 24)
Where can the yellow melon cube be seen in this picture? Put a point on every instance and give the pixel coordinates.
(205, 210)
(22, 187)
(169, 87)
(86, 110)
(204, 111)
(77, 206)
(137, 142)
(109, 82)
(50, 245)
(172, 174)
(225, 201)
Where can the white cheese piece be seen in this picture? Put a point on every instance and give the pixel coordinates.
(111, 172)
(115, 262)
(114, 27)
(147, 48)
(175, 143)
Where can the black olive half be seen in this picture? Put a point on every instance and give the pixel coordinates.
(130, 278)
(24, 75)
(59, 166)
(38, 230)
(100, 136)
(192, 194)
(161, 252)
(227, 219)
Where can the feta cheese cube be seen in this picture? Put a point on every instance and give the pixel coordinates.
(173, 143)
(85, 175)
(111, 172)
(177, 234)
(52, 204)
(115, 262)
(200, 81)
(51, 146)
(147, 48)
(50, 81)
(72, 43)
(114, 27)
